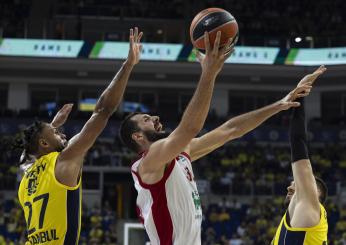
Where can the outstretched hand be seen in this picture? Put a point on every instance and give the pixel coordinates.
(289, 100)
(310, 78)
(62, 115)
(135, 47)
(303, 89)
(215, 56)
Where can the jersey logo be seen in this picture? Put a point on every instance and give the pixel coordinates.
(32, 177)
(32, 183)
(182, 161)
(196, 200)
(188, 174)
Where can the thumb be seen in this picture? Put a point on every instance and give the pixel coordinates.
(199, 56)
(293, 104)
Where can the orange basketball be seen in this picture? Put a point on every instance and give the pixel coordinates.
(213, 20)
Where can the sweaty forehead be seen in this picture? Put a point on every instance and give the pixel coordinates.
(140, 117)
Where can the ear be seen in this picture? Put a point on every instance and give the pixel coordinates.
(43, 143)
(138, 136)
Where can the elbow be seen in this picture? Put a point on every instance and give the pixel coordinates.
(105, 112)
(194, 131)
(235, 133)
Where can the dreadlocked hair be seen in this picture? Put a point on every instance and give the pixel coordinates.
(28, 140)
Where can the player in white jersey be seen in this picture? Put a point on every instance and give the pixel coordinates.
(168, 202)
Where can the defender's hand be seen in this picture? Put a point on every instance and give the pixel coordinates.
(135, 47)
(310, 78)
(214, 58)
(62, 115)
(289, 100)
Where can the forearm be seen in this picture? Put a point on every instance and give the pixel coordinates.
(244, 123)
(196, 112)
(112, 95)
(298, 134)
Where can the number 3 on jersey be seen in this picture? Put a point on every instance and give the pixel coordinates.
(44, 198)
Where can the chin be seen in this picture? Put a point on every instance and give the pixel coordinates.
(287, 201)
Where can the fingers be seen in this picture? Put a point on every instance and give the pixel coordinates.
(301, 89)
(217, 43)
(136, 34)
(321, 69)
(199, 56)
(139, 37)
(206, 42)
(228, 54)
(67, 107)
(228, 46)
(294, 104)
(131, 37)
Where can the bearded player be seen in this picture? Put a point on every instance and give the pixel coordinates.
(305, 221)
(50, 190)
(168, 202)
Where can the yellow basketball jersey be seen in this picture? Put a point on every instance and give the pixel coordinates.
(52, 210)
(317, 235)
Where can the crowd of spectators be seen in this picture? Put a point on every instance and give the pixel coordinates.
(237, 169)
(255, 18)
(98, 224)
(13, 14)
(255, 169)
(229, 222)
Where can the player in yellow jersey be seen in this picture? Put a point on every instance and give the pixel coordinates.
(50, 190)
(305, 221)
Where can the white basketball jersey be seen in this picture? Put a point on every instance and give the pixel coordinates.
(170, 209)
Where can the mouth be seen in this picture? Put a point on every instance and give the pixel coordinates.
(290, 194)
(158, 127)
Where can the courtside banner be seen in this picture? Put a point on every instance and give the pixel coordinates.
(40, 48)
(151, 51)
(317, 56)
(249, 55)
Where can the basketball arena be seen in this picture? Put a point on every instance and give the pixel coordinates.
(218, 88)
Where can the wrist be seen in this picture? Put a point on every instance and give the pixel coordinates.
(278, 105)
(209, 75)
(127, 64)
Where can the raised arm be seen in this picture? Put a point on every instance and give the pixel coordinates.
(306, 210)
(238, 126)
(163, 151)
(61, 116)
(70, 160)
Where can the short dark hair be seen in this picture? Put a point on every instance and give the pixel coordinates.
(321, 185)
(28, 140)
(127, 128)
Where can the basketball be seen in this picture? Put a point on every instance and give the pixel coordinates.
(213, 20)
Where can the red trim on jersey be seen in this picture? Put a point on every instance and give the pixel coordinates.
(139, 214)
(140, 155)
(159, 208)
(162, 181)
(186, 155)
(161, 216)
